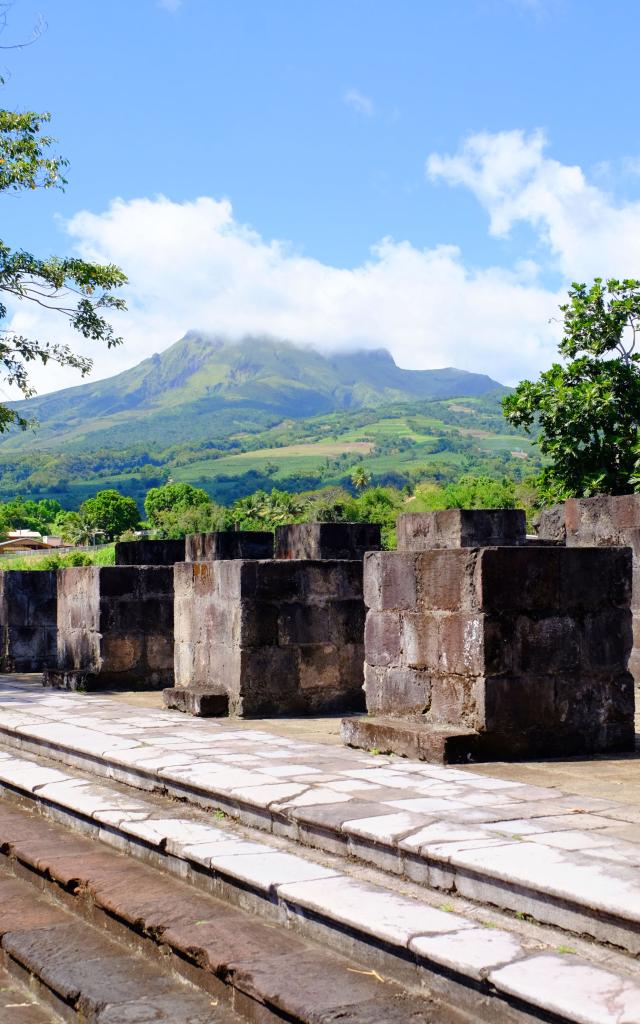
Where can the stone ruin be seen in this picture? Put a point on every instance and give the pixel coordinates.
(150, 552)
(491, 652)
(602, 521)
(114, 628)
(27, 620)
(228, 544)
(275, 636)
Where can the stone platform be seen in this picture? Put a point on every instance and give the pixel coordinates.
(437, 879)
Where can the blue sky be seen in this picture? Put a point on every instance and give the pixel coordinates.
(330, 125)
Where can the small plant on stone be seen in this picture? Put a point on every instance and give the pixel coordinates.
(219, 815)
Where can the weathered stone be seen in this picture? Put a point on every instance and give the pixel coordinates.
(498, 652)
(201, 703)
(114, 628)
(27, 620)
(228, 544)
(327, 540)
(274, 636)
(461, 528)
(149, 552)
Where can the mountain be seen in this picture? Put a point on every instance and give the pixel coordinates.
(206, 387)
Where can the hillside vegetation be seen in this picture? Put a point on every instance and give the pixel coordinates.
(234, 418)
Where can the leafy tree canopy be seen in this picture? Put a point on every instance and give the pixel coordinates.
(588, 407)
(109, 513)
(174, 498)
(79, 291)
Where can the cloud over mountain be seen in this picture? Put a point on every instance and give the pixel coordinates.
(193, 265)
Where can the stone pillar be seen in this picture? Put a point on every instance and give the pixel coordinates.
(115, 628)
(461, 528)
(228, 544)
(27, 620)
(263, 638)
(497, 652)
(327, 540)
(149, 552)
(602, 521)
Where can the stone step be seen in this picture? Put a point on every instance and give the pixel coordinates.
(569, 861)
(79, 973)
(19, 1006)
(109, 930)
(482, 962)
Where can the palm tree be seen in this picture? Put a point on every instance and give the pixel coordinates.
(360, 478)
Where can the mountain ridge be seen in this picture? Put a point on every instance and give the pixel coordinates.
(207, 386)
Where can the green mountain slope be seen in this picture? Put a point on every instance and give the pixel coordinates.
(204, 387)
(232, 418)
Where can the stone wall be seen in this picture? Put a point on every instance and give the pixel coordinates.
(228, 544)
(115, 628)
(268, 637)
(461, 528)
(149, 552)
(497, 652)
(27, 620)
(327, 540)
(602, 521)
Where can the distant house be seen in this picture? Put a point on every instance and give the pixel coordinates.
(28, 540)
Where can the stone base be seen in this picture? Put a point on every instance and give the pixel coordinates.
(439, 743)
(94, 682)
(449, 744)
(202, 703)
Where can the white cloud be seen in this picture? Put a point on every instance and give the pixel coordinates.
(585, 231)
(359, 102)
(193, 265)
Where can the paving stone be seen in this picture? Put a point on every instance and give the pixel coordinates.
(472, 952)
(384, 828)
(17, 1005)
(268, 871)
(578, 991)
(371, 909)
(185, 1008)
(20, 911)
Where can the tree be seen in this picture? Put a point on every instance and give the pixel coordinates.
(588, 408)
(78, 290)
(109, 513)
(360, 478)
(173, 498)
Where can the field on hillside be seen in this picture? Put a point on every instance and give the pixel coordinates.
(398, 444)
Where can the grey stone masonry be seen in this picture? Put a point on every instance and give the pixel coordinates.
(115, 628)
(602, 521)
(149, 552)
(268, 637)
(461, 528)
(228, 544)
(327, 540)
(27, 620)
(494, 653)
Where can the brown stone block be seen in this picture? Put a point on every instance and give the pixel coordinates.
(390, 581)
(515, 580)
(382, 638)
(392, 691)
(257, 624)
(510, 705)
(348, 621)
(461, 528)
(149, 552)
(547, 645)
(228, 544)
(331, 579)
(159, 653)
(311, 541)
(420, 640)
(274, 581)
(461, 644)
(595, 577)
(121, 653)
(446, 579)
(453, 700)
(305, 624)
(607, 640)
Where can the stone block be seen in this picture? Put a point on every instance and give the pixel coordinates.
(28, 620)
(149, 552)
(114, 628)
(276, 636)
(333, 541)
(461, 528)
(228, 544)
(550, 526)
(512, 651)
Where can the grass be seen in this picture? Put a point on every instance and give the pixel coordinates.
(51, 560)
